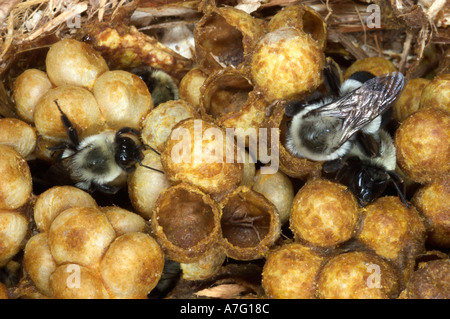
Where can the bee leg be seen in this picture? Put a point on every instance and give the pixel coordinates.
(361, 202)
(333, 166)
(397, 180)
(71, 131)
(58, 150)
(106, 189)
(332, 79)
(125, 130)
(345, 171)
(62, 146)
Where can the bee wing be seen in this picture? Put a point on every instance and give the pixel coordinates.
(332, 83)
(364, 104)
(332, 79)
(55, 174)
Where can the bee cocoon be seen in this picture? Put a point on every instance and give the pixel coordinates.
(197, 152)
(57, 199)
(303, 18)
(429, 281)
(86, 284)
(80, 235)
(225, 92)
(225, 36)
(286, 64)
(3, 292)
(16, 184)
(189, 88)
(228, 97)
(290, 272)
(250, 224)
(323, 213)
(437, 93)
(123, 221)
(132, 265)
(91, 252)
(123, 98)
(432, 201)
(208, 265)
(77, 103)
(248, 170)
(38, 262)
(185, 222)
(278, 189)
(394, 232)
(357, 275)
(409, 99)
(422, 142)
(28, 89)
(159, 122)
(145, 185)
(19, 135)
(375, 65)
(72, 62)
(13, 229)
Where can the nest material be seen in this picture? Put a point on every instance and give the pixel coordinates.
(25, 21)
(419, 23)
(413, 34)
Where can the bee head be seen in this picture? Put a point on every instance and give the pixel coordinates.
(127, 152)
(369, 184)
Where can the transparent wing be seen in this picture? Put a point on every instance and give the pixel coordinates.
(364, 104)
(332, 79)
(332, 83)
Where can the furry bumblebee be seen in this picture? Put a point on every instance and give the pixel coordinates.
(344, 129)
(101, 161)
(161, 85)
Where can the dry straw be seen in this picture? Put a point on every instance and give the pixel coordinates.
(413, 35)
(419, 23)
(22, 22)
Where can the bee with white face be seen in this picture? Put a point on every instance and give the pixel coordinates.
(101, 161)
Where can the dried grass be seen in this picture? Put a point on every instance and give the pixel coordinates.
(408, 27)
(22, 22)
